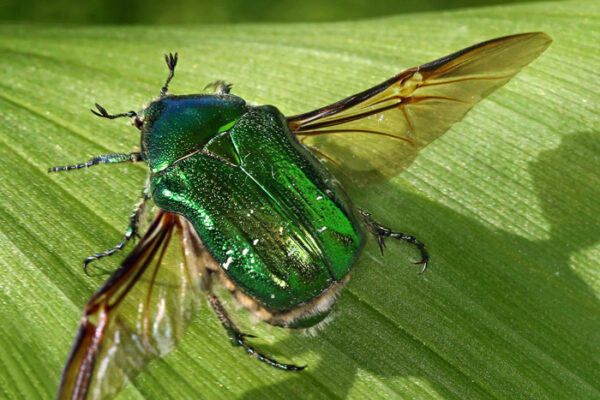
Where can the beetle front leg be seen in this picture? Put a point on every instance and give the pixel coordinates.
(102, 159)
(237, 337)
(381, 232)
(130, 233)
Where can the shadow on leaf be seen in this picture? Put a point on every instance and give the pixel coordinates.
(527, 310)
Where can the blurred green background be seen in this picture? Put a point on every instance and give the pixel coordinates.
(224, 11)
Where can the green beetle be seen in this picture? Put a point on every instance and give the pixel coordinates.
(246, 195)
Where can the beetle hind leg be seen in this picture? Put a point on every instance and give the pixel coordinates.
(381, 233)
(237, 337)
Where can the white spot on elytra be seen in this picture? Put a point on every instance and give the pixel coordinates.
(226, 264)
(255, 242)
(321, 229)
(244, 252)
(319, 197)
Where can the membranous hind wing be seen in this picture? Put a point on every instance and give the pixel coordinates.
(139, 313)
(376, 133)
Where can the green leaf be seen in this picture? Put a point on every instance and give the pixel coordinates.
(507, 202)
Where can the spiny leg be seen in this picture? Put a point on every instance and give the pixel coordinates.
(130, 233)
(237, 338)
(114, 159)
(381, 232)
(171, 61)
(106, 158)
(102, 159)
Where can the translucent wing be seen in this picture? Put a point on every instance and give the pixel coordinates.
(376, 133)
(139, 313)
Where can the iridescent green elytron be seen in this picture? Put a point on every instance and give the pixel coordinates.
(246, 195)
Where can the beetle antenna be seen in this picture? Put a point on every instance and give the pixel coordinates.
(171, 63)
(105, 114)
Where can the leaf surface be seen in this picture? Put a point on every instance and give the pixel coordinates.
(507, 202)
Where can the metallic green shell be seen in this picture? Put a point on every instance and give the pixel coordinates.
(270, 214)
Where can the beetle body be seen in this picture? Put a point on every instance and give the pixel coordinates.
(242, 196)
(280, 227)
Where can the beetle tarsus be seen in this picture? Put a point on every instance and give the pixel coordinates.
(381, 243)
(381, 233)
(130, 233)
(104, 114)
(415, 242)
(106, 253)
(171, 60)
(261, 357)
(237, 337)
(102, 159)
(85, 271)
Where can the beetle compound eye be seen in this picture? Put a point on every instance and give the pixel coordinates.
(138, 123)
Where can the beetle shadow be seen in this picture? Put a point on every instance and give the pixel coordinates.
(537, 278)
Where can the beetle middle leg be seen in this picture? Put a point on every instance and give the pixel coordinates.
(381, 232)
(237, 337)
(130, 232)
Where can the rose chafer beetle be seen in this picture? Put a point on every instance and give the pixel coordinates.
(246, 195)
